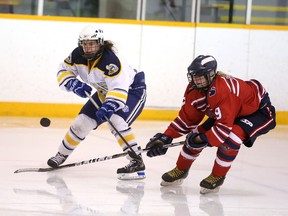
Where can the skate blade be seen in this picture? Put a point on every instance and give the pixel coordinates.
(132, 176)
(208, 191)
(174, 183)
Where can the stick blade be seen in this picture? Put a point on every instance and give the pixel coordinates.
(26, 170)
(34, 170)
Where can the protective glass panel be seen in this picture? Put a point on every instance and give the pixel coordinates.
(272, 12)
(168, 10)
(18, 6)
(225, 11)
(75, 8)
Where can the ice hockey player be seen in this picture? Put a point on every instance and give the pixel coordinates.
(238, 112)
(121, 96)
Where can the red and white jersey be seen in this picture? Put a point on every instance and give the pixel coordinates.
(226, 99)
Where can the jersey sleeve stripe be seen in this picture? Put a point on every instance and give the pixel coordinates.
(62, 77)
(184, 124)
(177, 128)
(200, 100)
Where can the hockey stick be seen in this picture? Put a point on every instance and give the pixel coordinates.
(132, 153)
(91, 160)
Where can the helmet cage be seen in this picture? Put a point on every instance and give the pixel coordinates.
(205, 66)
(90, 33)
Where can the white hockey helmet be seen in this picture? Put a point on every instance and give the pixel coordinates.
(91, 33)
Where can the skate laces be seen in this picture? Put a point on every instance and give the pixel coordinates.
(59, 158)
(175, 172)
(132, 162)
(213, 179)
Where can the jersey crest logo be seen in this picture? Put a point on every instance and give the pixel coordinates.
(183, 102)
(68, 60)
(112, 69)
(212, 91)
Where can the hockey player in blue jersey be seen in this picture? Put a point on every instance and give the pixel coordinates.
(121, 96)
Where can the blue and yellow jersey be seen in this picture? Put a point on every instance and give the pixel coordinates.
(110, 74)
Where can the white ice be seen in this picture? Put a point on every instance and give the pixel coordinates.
(257, 183)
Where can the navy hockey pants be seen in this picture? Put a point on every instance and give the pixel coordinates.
(134, 104)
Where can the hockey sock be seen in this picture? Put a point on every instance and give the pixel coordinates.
(228, 151)
(186, 158)
(129, 137)
(69, 143)
(79, 129)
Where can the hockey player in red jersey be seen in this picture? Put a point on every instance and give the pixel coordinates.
(238, 112)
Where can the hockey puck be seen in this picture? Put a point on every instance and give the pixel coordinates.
(45, 122)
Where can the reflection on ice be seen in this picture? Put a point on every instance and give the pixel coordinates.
(254, 183)
(177, 198)
(134, 191)
(63, 195)
(210, 204)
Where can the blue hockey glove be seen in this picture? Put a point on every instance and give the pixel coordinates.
(107, 109)
(156, 144)
(78, 87)
(191, 144)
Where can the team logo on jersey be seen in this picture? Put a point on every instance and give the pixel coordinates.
(212, 91)
(246, 121)
(183, 101)
(68, 60)
(112, 69)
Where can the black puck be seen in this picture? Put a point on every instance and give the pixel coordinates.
(45, 122)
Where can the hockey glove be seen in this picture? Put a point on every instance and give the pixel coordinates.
(107, 109)
(156, 144)
(191, 143)
(78, 87)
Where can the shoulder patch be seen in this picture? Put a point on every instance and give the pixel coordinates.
(212, 91)
(75, 58)
(112, 69)
(109, 63)
(68, 60)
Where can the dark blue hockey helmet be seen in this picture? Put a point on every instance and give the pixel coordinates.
(202, 66)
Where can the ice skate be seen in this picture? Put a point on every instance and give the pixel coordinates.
(211, 184)
(174, 177)
(57, 160)
(134, 170)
